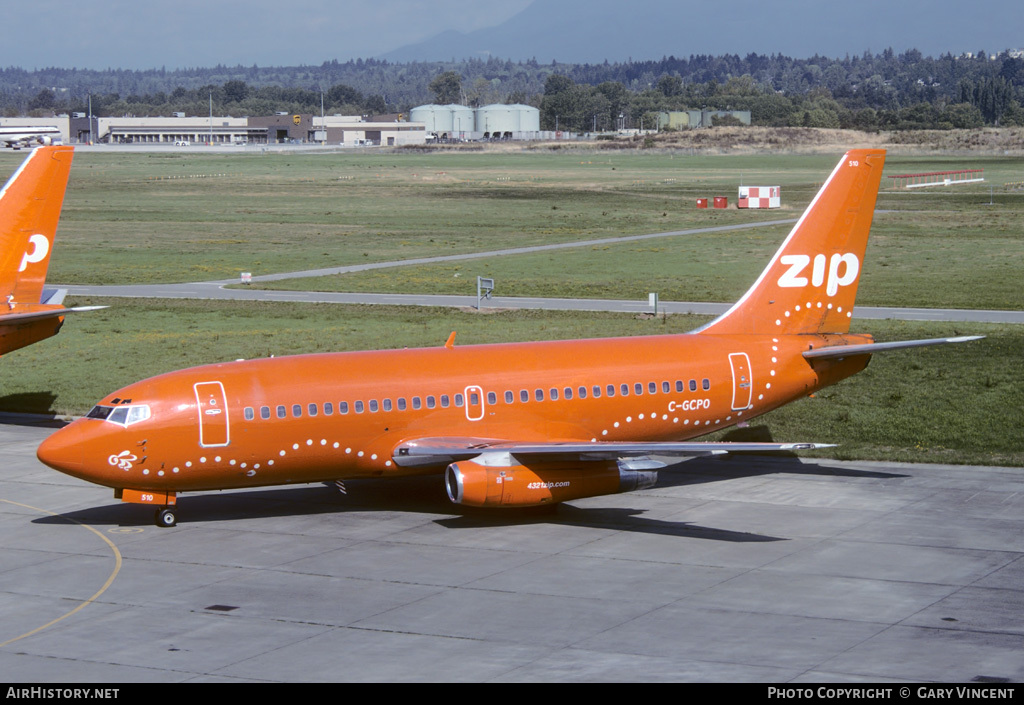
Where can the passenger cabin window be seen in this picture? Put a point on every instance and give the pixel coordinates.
(624, 389)
(509, 397)
(610, 389)
(281, 412)
(445, 401)
(343, 407)
(250, 414)
(583, 392)
(359, 407)
(264, 412)
(431, 402)
(459, 400)
(666, 387)
(679, 385)
(597, 390)
(374, 406)
(553, 393)
(417, 403)
(296, 410)
(638, 389)
(312, 409)
(693, 385)
(386, 404)
(524, 396)
(652, 387)
(568, 392)
(538, 394)
(707, 384)
(492, 398)
(328, 408)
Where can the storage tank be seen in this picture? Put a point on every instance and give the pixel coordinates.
(437, 118)
(497, 121)
(529, 117)
(463, 121)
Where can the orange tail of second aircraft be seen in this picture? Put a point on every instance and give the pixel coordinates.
(30, 205)
(811, 283)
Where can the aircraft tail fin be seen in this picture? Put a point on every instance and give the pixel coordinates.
(30, 205)
(811, 283)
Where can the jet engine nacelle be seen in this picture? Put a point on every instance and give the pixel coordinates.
(477, 485)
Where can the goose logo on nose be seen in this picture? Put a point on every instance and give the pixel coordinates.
(123, 460)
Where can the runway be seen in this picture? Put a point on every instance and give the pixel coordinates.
(742, 569)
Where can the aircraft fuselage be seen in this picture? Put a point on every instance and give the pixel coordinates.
(311, 418)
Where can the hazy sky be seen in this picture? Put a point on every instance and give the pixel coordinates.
(138, 34)
(189, 33)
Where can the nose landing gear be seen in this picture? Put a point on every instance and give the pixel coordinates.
(166, 512)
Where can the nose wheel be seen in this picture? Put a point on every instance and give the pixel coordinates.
(165, 517)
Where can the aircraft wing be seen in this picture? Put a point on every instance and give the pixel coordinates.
(848, 350)
(437, 451)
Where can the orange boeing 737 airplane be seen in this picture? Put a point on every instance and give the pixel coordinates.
(30, 204)
(509, 425)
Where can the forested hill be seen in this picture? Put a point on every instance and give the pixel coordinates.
(868, 91)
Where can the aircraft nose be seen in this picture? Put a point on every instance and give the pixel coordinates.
(63, 450)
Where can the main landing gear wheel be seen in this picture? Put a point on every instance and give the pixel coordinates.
(165, 517)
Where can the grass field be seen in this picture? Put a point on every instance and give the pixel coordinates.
(135, 218)
(151, 217)
(157, 217)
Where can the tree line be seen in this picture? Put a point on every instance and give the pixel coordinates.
(870, 91)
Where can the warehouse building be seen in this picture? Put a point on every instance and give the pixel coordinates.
(283, 128)
(687, 119)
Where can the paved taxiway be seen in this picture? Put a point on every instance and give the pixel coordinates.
(218, 289)
(739, 569)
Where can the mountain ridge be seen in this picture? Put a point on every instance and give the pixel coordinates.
(594, 31)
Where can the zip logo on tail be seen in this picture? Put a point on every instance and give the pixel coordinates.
(798, 263)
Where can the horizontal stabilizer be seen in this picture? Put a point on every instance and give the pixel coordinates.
(849, 350)
(39, 315)
(434, 451)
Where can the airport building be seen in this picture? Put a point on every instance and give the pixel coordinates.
(386, 131)
(283, 128)
(61, 123)
(687, 119)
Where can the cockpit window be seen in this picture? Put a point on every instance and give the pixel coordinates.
(123, 415)
(139, 412)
